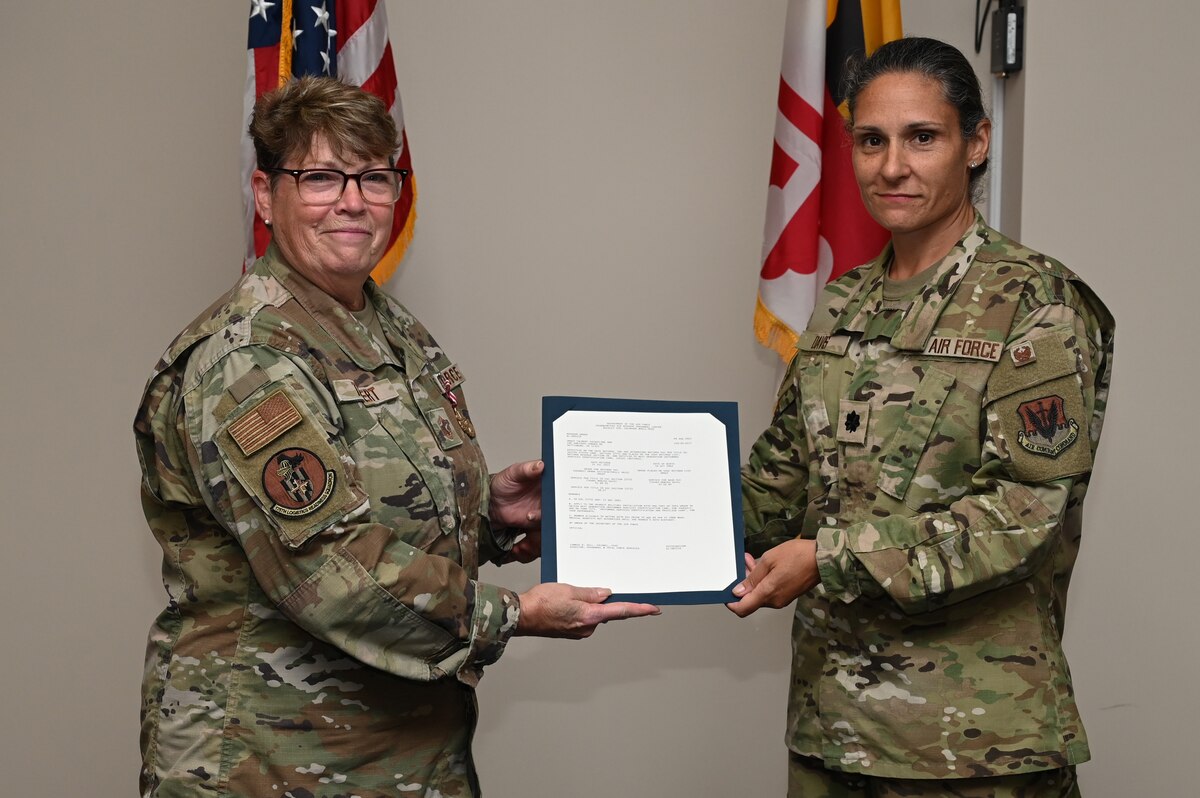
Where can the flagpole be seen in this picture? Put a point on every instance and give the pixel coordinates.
(996, 155)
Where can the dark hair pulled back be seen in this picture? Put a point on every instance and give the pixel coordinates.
(933, 59)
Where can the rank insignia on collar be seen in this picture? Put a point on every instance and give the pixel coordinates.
(297, 482)
(1022, 353)
(1046, 429)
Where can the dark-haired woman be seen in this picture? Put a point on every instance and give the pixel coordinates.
(920, 488)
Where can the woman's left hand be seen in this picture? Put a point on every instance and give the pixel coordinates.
(517, 496)
(783, 573)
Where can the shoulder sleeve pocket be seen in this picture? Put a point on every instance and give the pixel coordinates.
(280, 452)
(1029, 362)
(1037, 409)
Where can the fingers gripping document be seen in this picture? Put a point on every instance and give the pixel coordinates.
(642, 497)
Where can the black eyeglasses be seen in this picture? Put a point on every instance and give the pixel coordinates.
(326, 186)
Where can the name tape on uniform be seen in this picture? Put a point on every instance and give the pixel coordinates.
(813, 342)
(370, 394)
(967, 348)
(449, 378)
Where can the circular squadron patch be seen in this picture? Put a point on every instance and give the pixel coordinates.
(297, 482)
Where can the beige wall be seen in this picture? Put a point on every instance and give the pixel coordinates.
(592, 187)
(1110, 184)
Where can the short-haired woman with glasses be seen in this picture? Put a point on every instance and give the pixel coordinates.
(311, 473)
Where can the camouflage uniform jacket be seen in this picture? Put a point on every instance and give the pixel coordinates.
(322, 519)
(938, 450)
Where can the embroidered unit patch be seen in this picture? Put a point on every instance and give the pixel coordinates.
(265, 422)
(1047, 430)
(297, 481)
(1023, 353)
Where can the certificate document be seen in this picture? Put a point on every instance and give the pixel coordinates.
(642, 497)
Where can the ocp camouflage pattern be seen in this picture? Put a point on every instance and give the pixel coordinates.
(322, 521)
(938, 447)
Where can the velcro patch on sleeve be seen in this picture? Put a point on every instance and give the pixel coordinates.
(249, 382)
(1030, 362)
(264, 422)
(1036, 398)
(288, 465)
(1045, 430)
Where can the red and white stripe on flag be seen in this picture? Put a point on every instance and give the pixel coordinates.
(816, 226)
(347, 39)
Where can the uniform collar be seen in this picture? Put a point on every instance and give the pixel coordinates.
(922, 317)
(396, 322)
(331, 316)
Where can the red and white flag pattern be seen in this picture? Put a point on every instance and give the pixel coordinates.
(347, 39)
(816, 226)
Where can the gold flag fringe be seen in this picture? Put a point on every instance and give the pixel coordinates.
(773, 333)
(390, 261)
(285, 43)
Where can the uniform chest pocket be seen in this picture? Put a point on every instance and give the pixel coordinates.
(903, 450)
(399, 462)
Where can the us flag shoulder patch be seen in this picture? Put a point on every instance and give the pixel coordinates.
(265, 422)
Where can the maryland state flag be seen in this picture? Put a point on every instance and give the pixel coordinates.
(816, 226)
(346, 39)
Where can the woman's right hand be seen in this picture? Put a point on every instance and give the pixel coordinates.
(560, 610)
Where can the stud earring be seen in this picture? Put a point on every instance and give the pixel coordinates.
(972, 164)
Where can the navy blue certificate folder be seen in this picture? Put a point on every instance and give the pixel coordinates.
(553, 407)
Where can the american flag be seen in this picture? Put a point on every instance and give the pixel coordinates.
(346, 39)
(816, 226)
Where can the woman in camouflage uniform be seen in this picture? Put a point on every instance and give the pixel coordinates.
(311, 473)
(920, 488)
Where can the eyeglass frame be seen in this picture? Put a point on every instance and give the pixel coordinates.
(346, 177)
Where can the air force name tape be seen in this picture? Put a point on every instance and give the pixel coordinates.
(968, 348)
